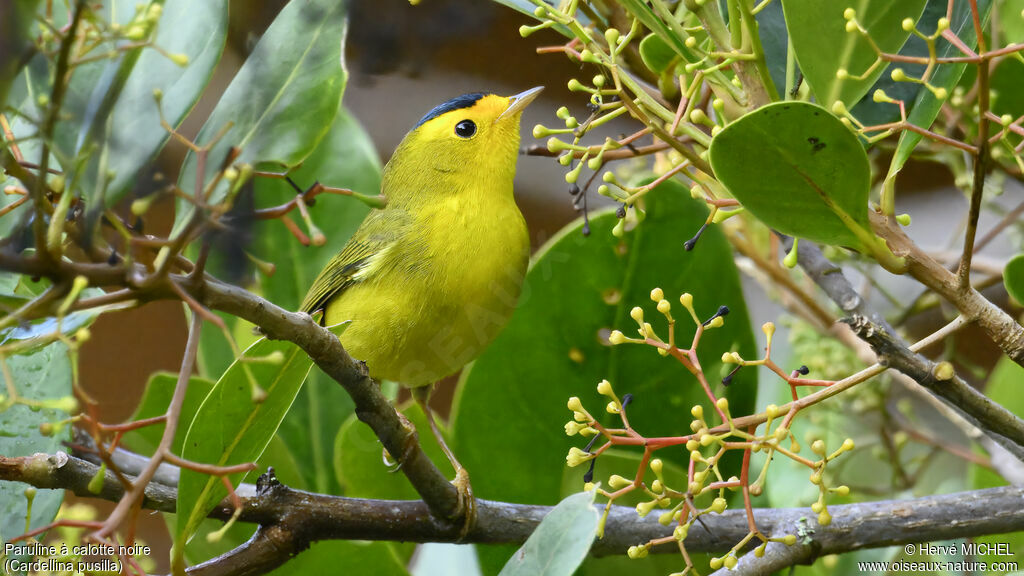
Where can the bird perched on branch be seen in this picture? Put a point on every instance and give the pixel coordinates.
(428, 281)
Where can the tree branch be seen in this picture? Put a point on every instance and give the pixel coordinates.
(1000, 326)
(1003, 426)
(830, 278)
(395, 432)
(291, 520)
(980, 410)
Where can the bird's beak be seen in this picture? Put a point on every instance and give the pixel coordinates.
(517, 103)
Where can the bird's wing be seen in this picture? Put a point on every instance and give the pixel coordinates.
(381, 230)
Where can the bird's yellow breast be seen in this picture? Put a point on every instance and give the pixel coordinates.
(433, 302)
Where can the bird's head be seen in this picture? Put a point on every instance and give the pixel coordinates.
(469, 138)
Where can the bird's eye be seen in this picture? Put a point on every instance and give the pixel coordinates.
(465, 129)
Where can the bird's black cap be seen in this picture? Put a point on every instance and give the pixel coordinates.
(457, 103)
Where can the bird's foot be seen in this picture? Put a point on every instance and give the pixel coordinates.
(411, 443)
(466, 503)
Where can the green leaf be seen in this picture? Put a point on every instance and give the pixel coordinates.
(527, 7)
(795, 167)
(230, 429)
(357, 557)
(870, 112)
(823, 46)
(283, 99)
(345, 158)
(1013, 277)
(15, 222)
(656, 24)
(41, 331)
(200, 549)
(15, 31)
(155, 400)
(359, 470)
(1011, 18)
(1007, 85)
(656, 54)
(9, 283)
(42, 375)
(560, 542)
(359, 466)
(510, 409)
(926, 106)
(196, 29)
(771, 27)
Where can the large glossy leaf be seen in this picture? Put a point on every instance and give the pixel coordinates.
(510, 411)
(230, 428)
(200, 548)
(926, 106)
(283, 99)
(345, 158)
(657, 54)
(560, 542)
(823, 46)
(42, 375)
(358, 459)
(360, 471)
(796, 167)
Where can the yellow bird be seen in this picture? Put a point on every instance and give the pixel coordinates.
(430, 280)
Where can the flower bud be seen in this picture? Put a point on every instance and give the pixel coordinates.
(575, 457)
(680, 532)
(637, 313)
(616, 481)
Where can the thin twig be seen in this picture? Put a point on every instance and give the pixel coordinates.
(128, 501)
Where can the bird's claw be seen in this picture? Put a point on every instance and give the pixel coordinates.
(466, 503)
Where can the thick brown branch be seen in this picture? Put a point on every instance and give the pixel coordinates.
(291, 520)
(1000, 326)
